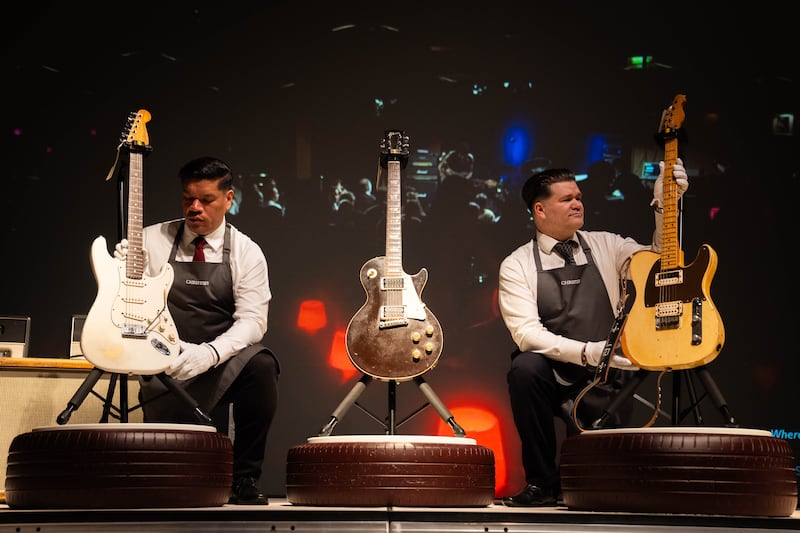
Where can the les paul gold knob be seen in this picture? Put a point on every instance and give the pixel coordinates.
(416, 355)
(428, 348)
(429, 331)
(415, 337)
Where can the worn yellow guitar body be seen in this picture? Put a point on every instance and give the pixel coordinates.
(673, 324)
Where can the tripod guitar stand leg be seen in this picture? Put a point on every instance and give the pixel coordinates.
(712, 391)
(94, 376)
(345, 405)
(83, 391)
(391, 421)
(198, 413)
(440, 408)
(678, 376)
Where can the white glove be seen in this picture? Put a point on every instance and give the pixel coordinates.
(194, 359)
(681, 180)
(594, 350)
(121, 251)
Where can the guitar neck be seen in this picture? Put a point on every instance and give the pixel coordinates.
(394, 221)
(134, 263)
(670, 243)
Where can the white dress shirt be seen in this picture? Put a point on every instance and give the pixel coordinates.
(248, 271)
(518, 286)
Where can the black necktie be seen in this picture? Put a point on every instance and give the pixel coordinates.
(199, 255)
(564, 249)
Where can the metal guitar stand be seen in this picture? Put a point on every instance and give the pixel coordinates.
(121, 412)
(390, 423)
(678, 415)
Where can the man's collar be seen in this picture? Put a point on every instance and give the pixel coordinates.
(546, 242)
(213, 239)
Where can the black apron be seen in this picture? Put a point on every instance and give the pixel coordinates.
(573, 302)
(202, 304)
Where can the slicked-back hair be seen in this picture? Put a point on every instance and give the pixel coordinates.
(537, 187)
(207, 168)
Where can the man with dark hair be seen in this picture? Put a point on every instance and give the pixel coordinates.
(558, 294)
(219, 301)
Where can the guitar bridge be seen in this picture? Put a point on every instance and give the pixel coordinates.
(668, 315)
(134, 331)
(393, 316)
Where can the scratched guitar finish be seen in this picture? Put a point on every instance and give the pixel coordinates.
(393, 336)
(129, 329)
(673, 324)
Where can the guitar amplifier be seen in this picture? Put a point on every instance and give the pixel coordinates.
(15, 333)
(75, 351)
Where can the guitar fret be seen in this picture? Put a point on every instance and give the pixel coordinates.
(134, 264)
(394, 221)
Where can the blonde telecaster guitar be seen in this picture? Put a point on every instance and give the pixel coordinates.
(129, 329)
(673, 324)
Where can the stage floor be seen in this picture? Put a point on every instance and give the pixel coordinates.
(282, 516)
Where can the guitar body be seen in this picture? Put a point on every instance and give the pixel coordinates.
(128, 329)
(393, 336)
(393, 342)
(673, 324)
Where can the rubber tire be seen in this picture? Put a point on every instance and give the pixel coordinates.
(390, 473)
(682, 470)
(119, 466)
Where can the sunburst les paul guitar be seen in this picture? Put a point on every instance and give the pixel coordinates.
(673, 324)
(393, 336)
(129, 329)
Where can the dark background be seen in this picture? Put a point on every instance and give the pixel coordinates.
(270, 88)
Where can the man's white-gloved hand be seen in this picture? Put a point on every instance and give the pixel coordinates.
(194, 359)
(681, 180)
(594, 350)
(121, 251)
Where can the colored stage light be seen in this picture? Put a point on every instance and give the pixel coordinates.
(311, 317)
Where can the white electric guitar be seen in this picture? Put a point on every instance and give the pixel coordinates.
(129, 329)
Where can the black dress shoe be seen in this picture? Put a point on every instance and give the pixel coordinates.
(245, 492)
(533, 496)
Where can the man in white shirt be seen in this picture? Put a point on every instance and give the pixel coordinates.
(559, 311)
(220, 306)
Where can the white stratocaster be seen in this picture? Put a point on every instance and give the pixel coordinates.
(129, 329)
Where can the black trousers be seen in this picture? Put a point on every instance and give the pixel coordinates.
(254, 395)
(537, 399)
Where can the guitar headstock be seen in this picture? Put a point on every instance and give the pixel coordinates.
(134, 134)
(672, 119)
(394, 147)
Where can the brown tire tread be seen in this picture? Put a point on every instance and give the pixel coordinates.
(128, 467)
(390, 474)
(693, 472)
